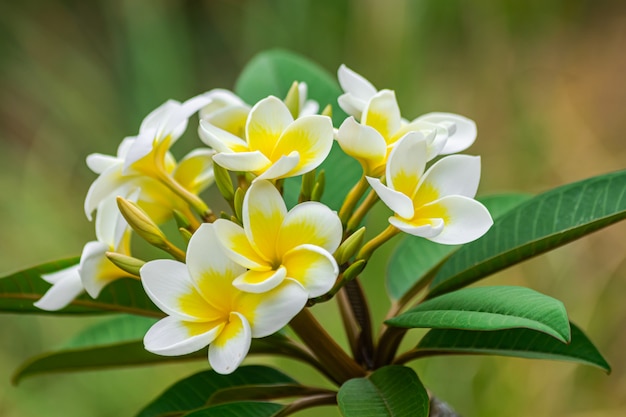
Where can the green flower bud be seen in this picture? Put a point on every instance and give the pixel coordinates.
(350, 246)
(224, 182)
(292, 101)
(354, 270)
(126, 263)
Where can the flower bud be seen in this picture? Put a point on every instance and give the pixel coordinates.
(318, 188)
(125, 263)
(182, 221)
(224, 182)
(143, 225)
(350, 246)
(292, 101)
(328, 111)
(186, 234)
(238, 202)
(354, 270)
(308, 183)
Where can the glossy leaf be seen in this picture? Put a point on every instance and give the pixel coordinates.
(18, 292)
(416, 259)
(391, 391)
(194, 392)
(543, 223)
(240, 409)
(272, 73)
(489, 308)
(522, 343)
(264, 392)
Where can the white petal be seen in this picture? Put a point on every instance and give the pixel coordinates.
(436, 135)
(195, 170)
(263, 213)
(461, 129)
(395, 200)
(232, 345)
(383, 114)
(362, 142)
(140, 147)
(273, 310)
(219, 139)
(266, 122)
(108, 221)
(235, 243)
(154, 120)
(355, 84)
(167, 282)
(231, 119)
(205, 253)
(312, 223)
(66, 287)
(176, 123)
(173, 337)
(454, 175)
(428, 231)
(260, 282)
(406, 163)
(243, 161)
(124, 146)
(105, 185)
(98, 162)
(220, 98)
(313, 267)
(467, 220)
(352, 105)
(95, 269)
(282, 168)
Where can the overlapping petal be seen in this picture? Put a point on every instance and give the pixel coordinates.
(66, 286)
(364, 143)
(309, 223)
(230, 348)
(461, 130)
(358, 91)
(173, 337)
(313, 267)
(263, 213)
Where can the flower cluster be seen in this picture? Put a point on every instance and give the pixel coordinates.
(248, 273)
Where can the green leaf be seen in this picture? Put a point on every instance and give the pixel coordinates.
(391, 391)
(240, 409)
(272, 73)
(522, 343)
(416, 259)
(490, 308)
(18, 292)
(194, 392)
(261, 392)
(545, 222)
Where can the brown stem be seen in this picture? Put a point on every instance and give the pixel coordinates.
(308, 402)
(338, 364)
(357, 322)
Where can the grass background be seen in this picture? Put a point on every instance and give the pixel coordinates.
(544, 80)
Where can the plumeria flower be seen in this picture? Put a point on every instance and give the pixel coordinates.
(274, 145)
(94, 270)
(142, 160)
(276, 245)
(437, 204)
(204, 308)
(382, 126)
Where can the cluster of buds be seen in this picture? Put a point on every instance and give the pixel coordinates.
(248, 273)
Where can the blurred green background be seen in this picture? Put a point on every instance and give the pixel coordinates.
(544, 80)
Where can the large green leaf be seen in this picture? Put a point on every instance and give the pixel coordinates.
(543, 223)
(18, 292)
(489, 308)
(522, 343)
(391, 391)
(272, 73)
(118, 342)
(194, 392)
(415, 259)
(240, 409)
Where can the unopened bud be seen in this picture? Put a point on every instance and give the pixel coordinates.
(350, 246)
(318, 188)
(354, 270)
(224, 182)
(126, 263)
(238, 202)
(292, 100)
(186, 234)
(328, 111)
(308, 183)
(182, 221)
(141, 223)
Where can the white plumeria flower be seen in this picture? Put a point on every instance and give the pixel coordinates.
(94, 270)
(142, 159)
(382, 125)
(275, 145)
(204, 308)
(276, 245)
(438, 204)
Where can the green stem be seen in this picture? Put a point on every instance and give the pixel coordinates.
(353, 197)
(368, 249)
(359, 214)
(336, 361)
(193, 200)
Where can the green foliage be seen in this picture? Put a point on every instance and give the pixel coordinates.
(523, 343)
(391, 391)
(545, 222)
(272, 73)
(416, 259)
(21, 289)
(489, 308)
(195, 392)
